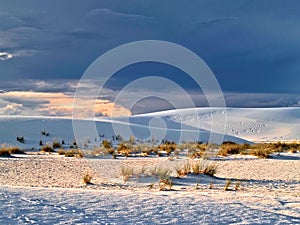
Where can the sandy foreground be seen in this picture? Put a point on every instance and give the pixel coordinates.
(49, 189)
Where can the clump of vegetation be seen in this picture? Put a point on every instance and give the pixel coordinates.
(167, 147)
(56, 144)
(237, 185)
(87, 179)
(227, 184)
(293, 150)
(21, 140)
(186, 167)
(106, 144)
(210, 185)
(47, 148)
(118, 138)
(73, 153)
(165, 180)
(4, 152)
(195, 149)
(261, 152)
(74, 144)
(61, 152)
(45, 133)
(230, 148)
(15, 150)
(7, 151)
(132, 140)
(124, 149)
(210, 169)
(196, 167)
(126, 172)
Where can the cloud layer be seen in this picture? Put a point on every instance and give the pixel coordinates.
(253, 47)
(54, 104)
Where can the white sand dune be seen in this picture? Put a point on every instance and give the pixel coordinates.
(268, 124)
(48, 189)
(253, 124)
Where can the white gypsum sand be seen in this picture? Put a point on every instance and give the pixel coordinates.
(48, 189)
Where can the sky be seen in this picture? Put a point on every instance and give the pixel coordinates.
(252, 47)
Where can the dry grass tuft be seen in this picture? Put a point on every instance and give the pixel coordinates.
(237, 185)
(210, 169)
(227, 184)
(47, 148)
(87, 179)
(126, 172)
(74, 153)
(165, 180)
(56, 144)
(7, 151)
(261, 152)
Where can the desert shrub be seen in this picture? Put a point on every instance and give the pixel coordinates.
(102, 151)
(111, 151)
(119, 137)
(7, 151)
(195, 153)
(145, 149)
(168, 147)
(293, 150)
(4, 152)
(56, 144)
(124, 149)
(15, 150)
(260, 152)
(229, 149)
(21, 139)
(45, 133)
(87, 179)
(106, 144)
(61, 152)
(47, 148)
(284, 147)
(74, 153)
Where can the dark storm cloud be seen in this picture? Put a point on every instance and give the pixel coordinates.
(251, 46)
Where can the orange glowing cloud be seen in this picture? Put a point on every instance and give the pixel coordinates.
(60, 104)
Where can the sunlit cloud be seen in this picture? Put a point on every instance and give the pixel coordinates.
(54, 104)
